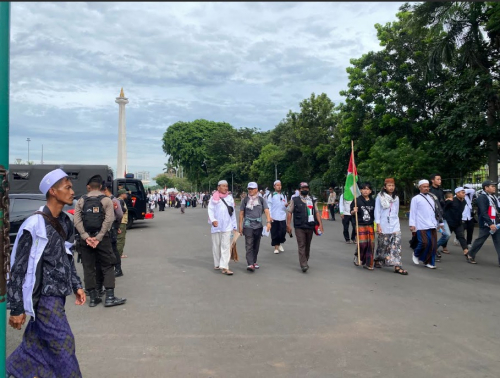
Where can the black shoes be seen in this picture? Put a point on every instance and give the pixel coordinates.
(94, 298)
(118, 273)
(304, 268)
(111, 300)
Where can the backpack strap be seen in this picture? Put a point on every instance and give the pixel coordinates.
(54, 223)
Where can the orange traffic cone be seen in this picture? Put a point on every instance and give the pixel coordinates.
(324, 215)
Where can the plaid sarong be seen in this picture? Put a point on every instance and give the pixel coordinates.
(366, 245)
(48, 346)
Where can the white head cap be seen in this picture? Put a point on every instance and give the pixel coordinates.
(276, 182)
(459, 189)
(222, 182)
(50, 179)
(422, 182)
(252, 185)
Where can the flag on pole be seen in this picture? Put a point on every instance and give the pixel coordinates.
(351, 182)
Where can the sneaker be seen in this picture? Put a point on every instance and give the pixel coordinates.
(250, 268)
(256, 266)
(281, 248)
(431, 266)
(455, 242)
(415, 260)
(276, 251)
(304, 268)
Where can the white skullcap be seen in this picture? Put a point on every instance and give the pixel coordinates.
(422, 182)
(277, 181)
(50, 179)
(459, 189)
(252, 185)
(222, 182)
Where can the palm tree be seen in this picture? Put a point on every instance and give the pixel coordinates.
(457, 32)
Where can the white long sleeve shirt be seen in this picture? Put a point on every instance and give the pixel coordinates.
(344, 206)
(219, 212)
(388, 219)
(467, 214)
(422, 214)
(277, 206)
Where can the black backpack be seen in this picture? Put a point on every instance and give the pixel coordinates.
(92, 214)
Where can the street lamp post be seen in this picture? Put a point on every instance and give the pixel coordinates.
(275, 171)
(232, 184)
(28, 140)
(209, 186)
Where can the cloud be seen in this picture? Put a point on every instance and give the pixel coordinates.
(243, 63)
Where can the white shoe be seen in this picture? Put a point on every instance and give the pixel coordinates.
(281, 248)
(276, 251)
(430, 266)
(415, 260)
(469, 246)
(455, 242)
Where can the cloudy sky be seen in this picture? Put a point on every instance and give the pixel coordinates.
(242, 63)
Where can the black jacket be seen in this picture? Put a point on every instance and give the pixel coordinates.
(453, 212)
(438, 192)
(483, 205)
(366, 210)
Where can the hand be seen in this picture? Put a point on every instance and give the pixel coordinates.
(80, 297)
(354, 210)
(379, 229)
(90, 242)
(268, 227)
(96, 242)
(119, 231)
(17, 322)
(321, 227)
(413, 228)
(493, 227)
(288, 229)
(271, 219)
(241, 230)
(342, 216)
(215, 224)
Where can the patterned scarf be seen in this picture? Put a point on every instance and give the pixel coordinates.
(253, 201)
(310, 205)
(386, 200)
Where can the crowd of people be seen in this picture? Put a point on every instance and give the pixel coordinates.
(43, 271)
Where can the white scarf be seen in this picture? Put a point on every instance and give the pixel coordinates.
(386, 200)
(253, 201)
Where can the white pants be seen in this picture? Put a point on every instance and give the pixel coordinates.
(221, 248)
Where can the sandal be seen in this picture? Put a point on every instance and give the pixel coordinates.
(401, 271)
(470, 259)
(227, 272)
(367, 267)
(124, 256)
(445, 250)
(216, 268)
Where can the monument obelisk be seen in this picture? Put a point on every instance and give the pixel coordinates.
(121, 166)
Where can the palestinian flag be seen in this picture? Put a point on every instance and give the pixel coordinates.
(351, 182)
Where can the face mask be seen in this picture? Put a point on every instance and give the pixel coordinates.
(304, 192)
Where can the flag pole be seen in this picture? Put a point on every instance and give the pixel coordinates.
(356, 205)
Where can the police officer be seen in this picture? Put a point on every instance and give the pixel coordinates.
(122, 229)
(118, 209)
(94, 216)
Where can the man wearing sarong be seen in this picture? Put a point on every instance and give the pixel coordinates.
(306, 217)
(366, 238)
(277, 207)
(424, 220)
(42, 275)
(388, 228)
(222, 217)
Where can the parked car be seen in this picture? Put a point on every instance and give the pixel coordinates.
(24, 205)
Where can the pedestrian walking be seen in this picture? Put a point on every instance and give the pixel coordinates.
(251, 210)
(438, 193)
(453, 212)
(388, 228)
(365, 208)
(488, 209)
(42, 275)
(93, 218)
(468, 215)
(222, 217)
(425, 219)
(306, 217)
(332, 197)
(277, 203)
(347, 219)
(182, 199)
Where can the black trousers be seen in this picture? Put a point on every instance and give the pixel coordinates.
(469, 228)
(103, 254)
(332, 210)
(484, 233)
(349, 219)
(459, 233)
(161, 205)
(278, 232)
(252, 243)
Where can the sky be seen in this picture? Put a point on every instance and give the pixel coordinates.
(247, 64)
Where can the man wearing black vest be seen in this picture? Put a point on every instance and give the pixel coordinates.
(304, 209)
(94, 216)
(488, 209)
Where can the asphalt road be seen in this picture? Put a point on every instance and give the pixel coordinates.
(184, 319)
